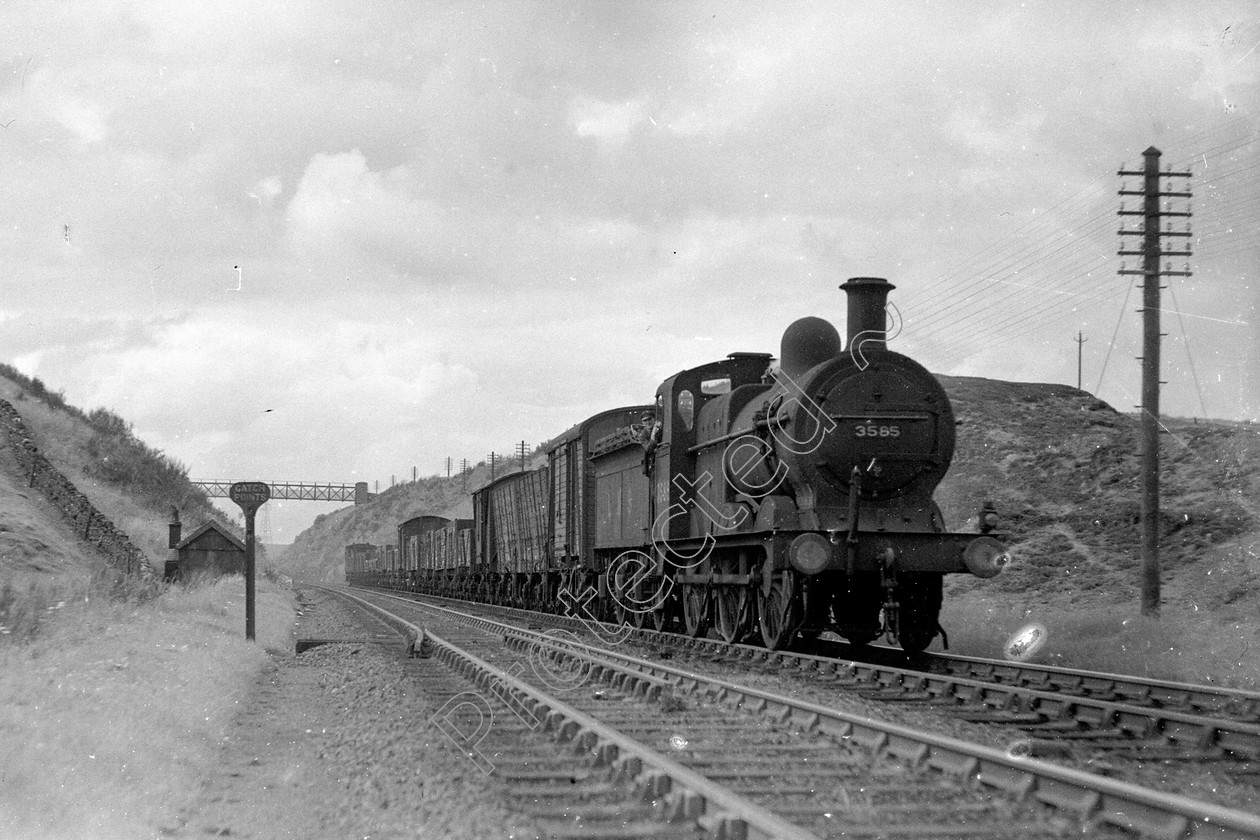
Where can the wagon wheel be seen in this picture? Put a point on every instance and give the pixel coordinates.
(620, 614)
(624, 598)
(568, 596)
(778, 611)
(663, 615)
(695, 610)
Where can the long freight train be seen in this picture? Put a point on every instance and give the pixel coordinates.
(761, 501)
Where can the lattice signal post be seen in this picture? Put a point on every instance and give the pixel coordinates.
(1152, 251)
(298, 491)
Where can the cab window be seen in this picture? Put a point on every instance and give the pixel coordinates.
(687, 408)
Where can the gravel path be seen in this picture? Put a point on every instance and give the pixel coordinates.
(334, 743)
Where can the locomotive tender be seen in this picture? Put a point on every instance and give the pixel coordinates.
(762, 501)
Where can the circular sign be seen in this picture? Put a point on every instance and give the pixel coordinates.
(249, 494)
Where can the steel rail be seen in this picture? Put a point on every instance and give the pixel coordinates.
(1092, 799)
(1096, 682)
(1238, 737)
(687, 794)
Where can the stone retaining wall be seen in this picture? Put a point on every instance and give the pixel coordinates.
(79, 513)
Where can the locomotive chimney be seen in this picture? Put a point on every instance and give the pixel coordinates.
(867, 298)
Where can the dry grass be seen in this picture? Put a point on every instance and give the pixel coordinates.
(30, 603)
(1184, 645)
(115, 709)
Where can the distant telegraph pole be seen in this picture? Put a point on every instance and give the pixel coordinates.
(1151, 273)
(1080, 342)
(522, 449)
(493, 457)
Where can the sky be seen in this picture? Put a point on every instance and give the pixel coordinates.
(338, 242)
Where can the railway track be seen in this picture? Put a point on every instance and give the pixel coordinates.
(819, 772)
(1061, 712)
(1208, 701)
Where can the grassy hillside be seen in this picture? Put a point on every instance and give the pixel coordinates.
(1064, 469)
(128, 480)
(42, 560)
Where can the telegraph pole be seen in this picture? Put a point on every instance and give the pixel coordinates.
(1151, 252)
(1080, 342)
(522, 449)
(493, 456)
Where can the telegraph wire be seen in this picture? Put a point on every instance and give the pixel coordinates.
(1185, 340)
(1061, 258)
(1082, 194)
(1015, 263)
(940, 284)
(1124, 307)
(1022, 262)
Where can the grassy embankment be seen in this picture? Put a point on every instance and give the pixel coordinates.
(115, 692)
(115, 709)
(1064, 471)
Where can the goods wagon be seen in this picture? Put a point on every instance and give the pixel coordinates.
(417, 565)
(362, 559)
(574, 563)
(510, 520)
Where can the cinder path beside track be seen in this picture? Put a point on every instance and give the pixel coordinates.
(334, 743)
(271, 781)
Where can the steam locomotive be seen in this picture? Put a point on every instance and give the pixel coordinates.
(763, 502)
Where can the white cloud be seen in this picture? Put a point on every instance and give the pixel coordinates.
(53, 95)
(612, 123)
(345, 215)
(266, 190)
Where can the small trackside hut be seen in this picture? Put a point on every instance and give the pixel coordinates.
(208, 551)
